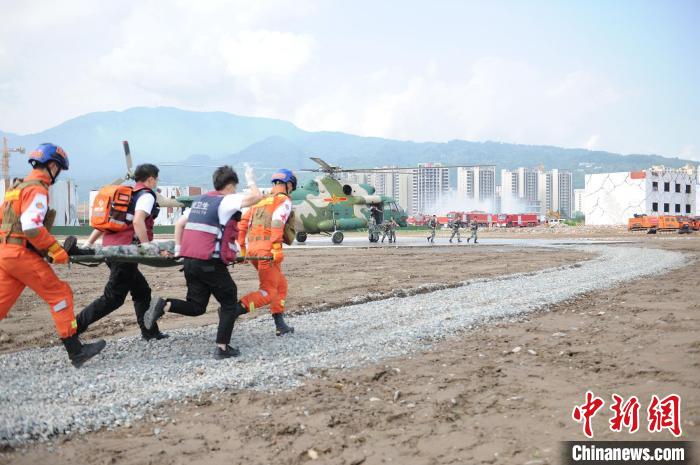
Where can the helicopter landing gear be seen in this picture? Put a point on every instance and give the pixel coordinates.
(337, 237)
(301, 237)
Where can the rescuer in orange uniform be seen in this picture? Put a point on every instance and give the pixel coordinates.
(263, 226)
(25, 241)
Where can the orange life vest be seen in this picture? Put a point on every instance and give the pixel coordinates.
(11, 227)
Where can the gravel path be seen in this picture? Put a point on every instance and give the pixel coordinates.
(43, 395)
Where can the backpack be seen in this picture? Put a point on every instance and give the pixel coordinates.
(111, 207)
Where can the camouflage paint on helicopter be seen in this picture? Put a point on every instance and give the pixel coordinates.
(325, 205)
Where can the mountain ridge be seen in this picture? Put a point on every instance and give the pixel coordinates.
(176, 136)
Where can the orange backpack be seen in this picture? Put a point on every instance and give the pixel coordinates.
(110, 208)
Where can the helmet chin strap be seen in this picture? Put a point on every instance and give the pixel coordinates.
(53, 178)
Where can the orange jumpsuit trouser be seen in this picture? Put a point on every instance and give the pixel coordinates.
(21, 267)
(273, 288)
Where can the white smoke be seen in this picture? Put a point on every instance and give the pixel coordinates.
(513, 204)
(452, 201)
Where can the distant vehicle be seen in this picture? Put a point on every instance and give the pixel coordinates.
(661, 223)
(518, 220)
(501, 220)
(642, 223)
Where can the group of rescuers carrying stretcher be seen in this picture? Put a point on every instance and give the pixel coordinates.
(208, 237)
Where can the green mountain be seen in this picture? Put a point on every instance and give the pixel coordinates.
(93, 141)
(202, 140)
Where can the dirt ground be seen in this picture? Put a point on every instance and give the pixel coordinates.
(318, 279)
(473, 399)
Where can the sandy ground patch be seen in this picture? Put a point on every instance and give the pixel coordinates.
(473, 399)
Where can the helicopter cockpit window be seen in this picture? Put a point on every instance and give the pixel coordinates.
(347, 189)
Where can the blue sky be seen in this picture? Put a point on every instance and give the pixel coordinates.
(620, 76)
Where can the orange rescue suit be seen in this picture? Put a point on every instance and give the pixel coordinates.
(263, 226)
(23, 241)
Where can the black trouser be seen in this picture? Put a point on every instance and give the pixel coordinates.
(204, 278)
(124, 278)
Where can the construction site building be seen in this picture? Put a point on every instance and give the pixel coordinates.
(613, 198)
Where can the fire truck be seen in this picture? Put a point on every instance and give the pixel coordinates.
(518, 220)
(503, 220)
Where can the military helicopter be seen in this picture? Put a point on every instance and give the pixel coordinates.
(329, 206)
(325, 205)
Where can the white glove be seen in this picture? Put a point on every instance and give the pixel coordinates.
(177, 250)
(249, 175)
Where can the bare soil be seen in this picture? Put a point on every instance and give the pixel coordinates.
(318, 279)
(473, 399)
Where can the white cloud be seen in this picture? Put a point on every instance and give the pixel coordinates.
(283, 59)
(230, 55)
(495, 99)
(265, 53)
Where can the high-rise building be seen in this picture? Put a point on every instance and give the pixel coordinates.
(478, 183)
(563, 192)
(520, 190)
(538, 191)
(404, 192)
(556, 192)
(431, 181)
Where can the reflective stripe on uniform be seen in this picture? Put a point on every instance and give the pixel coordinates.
(62, 305)
(203, 228)
(11, 196)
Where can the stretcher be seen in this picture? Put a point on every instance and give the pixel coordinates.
(156, 261)
(161, 255)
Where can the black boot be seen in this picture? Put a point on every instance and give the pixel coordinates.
(280, 325)
(157, 335)
(240, 309)
(80, 353)
(140, 308)
(70, 245)
(227, 353)
(154, 312)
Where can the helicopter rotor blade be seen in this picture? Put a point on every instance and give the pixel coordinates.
(324, 165)
(391, 169)
(129, 163)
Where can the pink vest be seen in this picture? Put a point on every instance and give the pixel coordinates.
(204, 238)
(128, 236)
